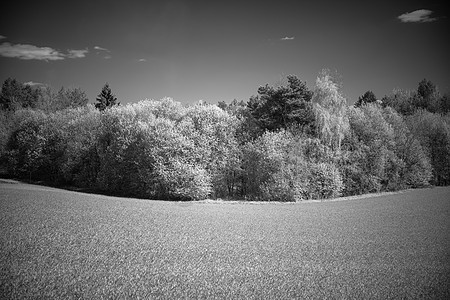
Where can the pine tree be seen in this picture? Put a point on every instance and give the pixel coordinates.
(283, 106)
(106, 99)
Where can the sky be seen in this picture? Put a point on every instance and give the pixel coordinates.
(223, 50)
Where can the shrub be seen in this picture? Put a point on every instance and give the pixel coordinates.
(324, 181)
(268, 174)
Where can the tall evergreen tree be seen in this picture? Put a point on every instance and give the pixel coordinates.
(106, 99)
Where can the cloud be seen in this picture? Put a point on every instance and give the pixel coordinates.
(287, 38)
(77, 53)
(417, 16)
(106, 56)
(29, 52)
(101, 49)
(34, 84)
(2, 37)
(142, 60)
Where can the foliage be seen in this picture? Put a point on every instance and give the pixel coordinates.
(417, 168)
(433, 133)
(400, 100)
(281, 107)
(330, 111)
(286, 144)
(427, 97)
(279, 166)
(15, 95)
(82, 163)
(368, 97)
(51, 101)
(381, 153)
(325, 181)
(247, 126)
(106, 99)
(25, 147)
(268, 175)
(5, 127)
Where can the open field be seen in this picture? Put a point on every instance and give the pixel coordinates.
(63, 244)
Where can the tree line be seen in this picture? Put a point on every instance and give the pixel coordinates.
(286, 143)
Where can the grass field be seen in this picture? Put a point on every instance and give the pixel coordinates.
(63, 244)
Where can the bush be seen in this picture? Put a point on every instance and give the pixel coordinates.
(268, 171)
(325, 181)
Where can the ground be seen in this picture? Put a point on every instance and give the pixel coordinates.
(64, 244)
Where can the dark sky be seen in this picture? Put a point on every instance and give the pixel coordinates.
(222, 50)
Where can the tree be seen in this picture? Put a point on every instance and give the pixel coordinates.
(427, 96)
(16, 94)
(330, 109)
(72, 98)
(368, 97)
(433, 133)
(401, 100)
(284, 106)
(106, 99)
(444, 103)
(51, 101)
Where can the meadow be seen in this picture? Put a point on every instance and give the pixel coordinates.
(64, 244)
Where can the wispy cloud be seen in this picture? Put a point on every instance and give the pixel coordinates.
(105, 52)
(287, 38)
(32, 83)
(417, 16)
(142, 60)
(77, 53)
(2, 37)
(29, 52)
(101, 49)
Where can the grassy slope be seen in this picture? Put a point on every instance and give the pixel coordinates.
(61, 244)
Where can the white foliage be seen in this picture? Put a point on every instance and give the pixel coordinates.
(331, 111)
